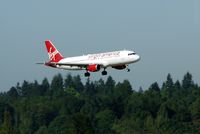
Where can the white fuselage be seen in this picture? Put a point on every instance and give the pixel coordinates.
(109, 59)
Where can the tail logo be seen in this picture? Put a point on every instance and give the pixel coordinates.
(52, 54)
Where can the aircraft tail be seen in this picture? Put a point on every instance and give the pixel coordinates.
(54, 54)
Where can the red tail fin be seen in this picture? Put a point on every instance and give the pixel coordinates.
(53, 53)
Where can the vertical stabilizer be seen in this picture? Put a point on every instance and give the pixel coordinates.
(54, 54)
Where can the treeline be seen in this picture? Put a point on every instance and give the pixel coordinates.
(67, 106)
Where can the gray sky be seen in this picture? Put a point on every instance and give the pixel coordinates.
(166, 34)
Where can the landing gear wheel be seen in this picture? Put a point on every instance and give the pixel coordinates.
(87, 74)
(128, 70)
(104, 73)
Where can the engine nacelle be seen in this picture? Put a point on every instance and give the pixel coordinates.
(119, 67)
(93, 68)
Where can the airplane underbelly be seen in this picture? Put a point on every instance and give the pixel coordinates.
(71, 67)
(119, 61)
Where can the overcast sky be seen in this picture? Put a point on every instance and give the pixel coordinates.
(166, 34)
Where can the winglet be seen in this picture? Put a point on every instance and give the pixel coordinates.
(54, 54)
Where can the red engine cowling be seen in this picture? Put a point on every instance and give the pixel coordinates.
(93, 68)
(119, 67)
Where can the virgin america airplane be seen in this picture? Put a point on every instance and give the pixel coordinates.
(91, 62)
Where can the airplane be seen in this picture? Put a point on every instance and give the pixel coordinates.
(90, 62)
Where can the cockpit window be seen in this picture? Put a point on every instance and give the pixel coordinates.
(131, 54)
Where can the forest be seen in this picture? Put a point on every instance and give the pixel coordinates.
(66, 105)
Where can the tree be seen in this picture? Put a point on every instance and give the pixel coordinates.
(42, 130)
(78, 85)
(12, 93)
(104, 119)
(44, 86)
(128, 125)
(57, 83)
(82, 124)
(195, 109)
(69, 83)
(62, 125)
(110, 85)
(35, 89)
(25, 88)
(89, 88)
(177, 85)
(155, 87)
(169, 84)
(6, 127)
(140, 90)
(149, 125)
(187, 81)
(168, 87)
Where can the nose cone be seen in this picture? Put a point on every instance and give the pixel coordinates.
(137, 57)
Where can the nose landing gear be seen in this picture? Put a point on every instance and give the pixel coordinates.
(128, 69)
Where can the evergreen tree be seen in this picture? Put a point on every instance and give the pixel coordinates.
(195, 110)
(78, 85)
(82, 124)
(177, 85)
(104, 119)
(12, 93)
(44, 86)
(169, 84)
(57, 84)
(6, 127)
(89, 88)
(155, 87)
(110, 85)
(187, 81)
(69, 83)
(25, 88)
(42, 130)
(140, 90)
(168, 87)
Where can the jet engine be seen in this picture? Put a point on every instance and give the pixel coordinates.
(93, 68)
(119, 67)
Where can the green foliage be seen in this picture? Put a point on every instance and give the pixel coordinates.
(6, 127)
(69, 106)
(155, 87)
(195, 109)
(104, 121)
(45, 86)
(168, 87)
(128, 125)
(12, 93)
(187, 81)
(57, 83)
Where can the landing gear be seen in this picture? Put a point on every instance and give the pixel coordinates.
(87, 74)
(128, 69)
(104, 72)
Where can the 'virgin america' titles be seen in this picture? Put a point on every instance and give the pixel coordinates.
(104, 55)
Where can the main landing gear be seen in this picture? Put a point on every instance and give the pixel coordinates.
(87, 74)
(104, 72)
